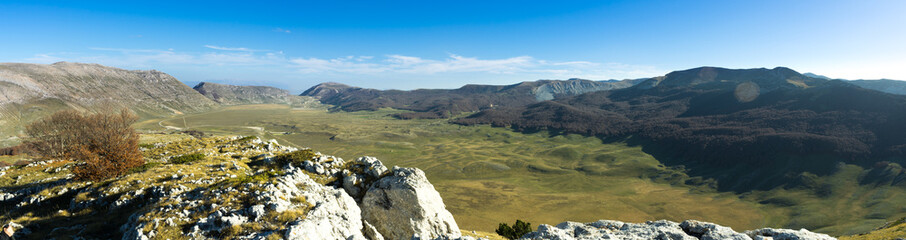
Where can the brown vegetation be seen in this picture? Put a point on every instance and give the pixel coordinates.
(105, 144)
(10, 151)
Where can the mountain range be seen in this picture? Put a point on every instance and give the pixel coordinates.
(752, 129)
(444, 103)
(31, 91)
(718, 123)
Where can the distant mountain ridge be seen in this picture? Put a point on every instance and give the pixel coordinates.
(444, 103)
(235, 95)
(31, 91)
(78, 84)
(723, 123)
(884, 85)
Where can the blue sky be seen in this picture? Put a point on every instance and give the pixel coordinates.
(435, 44)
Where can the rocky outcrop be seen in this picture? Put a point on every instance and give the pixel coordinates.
(404, 204)
(786, 234)
(550, 90)
(663, 229)
(334, 214)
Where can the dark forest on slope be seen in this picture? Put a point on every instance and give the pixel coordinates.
(701, 118)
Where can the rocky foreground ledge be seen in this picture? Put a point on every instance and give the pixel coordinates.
(245, 188)
(663, 229)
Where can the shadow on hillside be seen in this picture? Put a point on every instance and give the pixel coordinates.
(51, 217)
(741, 176)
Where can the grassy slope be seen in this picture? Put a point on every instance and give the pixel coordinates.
(892, 230)
(491, 175)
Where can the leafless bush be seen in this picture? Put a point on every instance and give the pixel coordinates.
(104, 144)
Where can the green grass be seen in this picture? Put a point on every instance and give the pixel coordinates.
(188, 158)
(491, 175)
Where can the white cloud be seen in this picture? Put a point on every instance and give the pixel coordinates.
(240, 49)
(281, 30)
(45, 59)
(520, 65)
(229, 62)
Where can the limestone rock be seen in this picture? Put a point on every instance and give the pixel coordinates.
(710, 231)
(371, 166)
(371, 232)
(786, 234)
(404, 204)
(662, 229)
(334, 214)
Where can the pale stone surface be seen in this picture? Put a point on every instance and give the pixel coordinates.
(663, 229)
(334, 214)
(404, 204)
(786, 234)
(710, 231)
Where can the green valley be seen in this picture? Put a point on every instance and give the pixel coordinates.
(490, 175)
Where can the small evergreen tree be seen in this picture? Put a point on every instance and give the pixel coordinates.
(519, 228)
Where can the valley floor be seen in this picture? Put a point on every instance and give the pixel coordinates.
(491, 175)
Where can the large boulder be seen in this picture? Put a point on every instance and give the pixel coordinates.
(710, 231)
(403, 205)
(334, 214)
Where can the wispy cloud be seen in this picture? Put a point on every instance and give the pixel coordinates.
(241, 49)
(459, 64)
(126, 50)
(280, 30)
(226, 62)
(44, 58)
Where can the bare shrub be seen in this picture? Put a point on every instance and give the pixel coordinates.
(10, 151)
(104, 144)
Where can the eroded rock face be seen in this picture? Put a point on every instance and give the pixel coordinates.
(404, 204)
(663, 229)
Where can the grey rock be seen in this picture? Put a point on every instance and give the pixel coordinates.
(371, 232)
(257, 211)
(662, 229)
(404, 204)
(787, 234)
(710, 231)
(334, 214)
(350, 183)
(372, 166)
